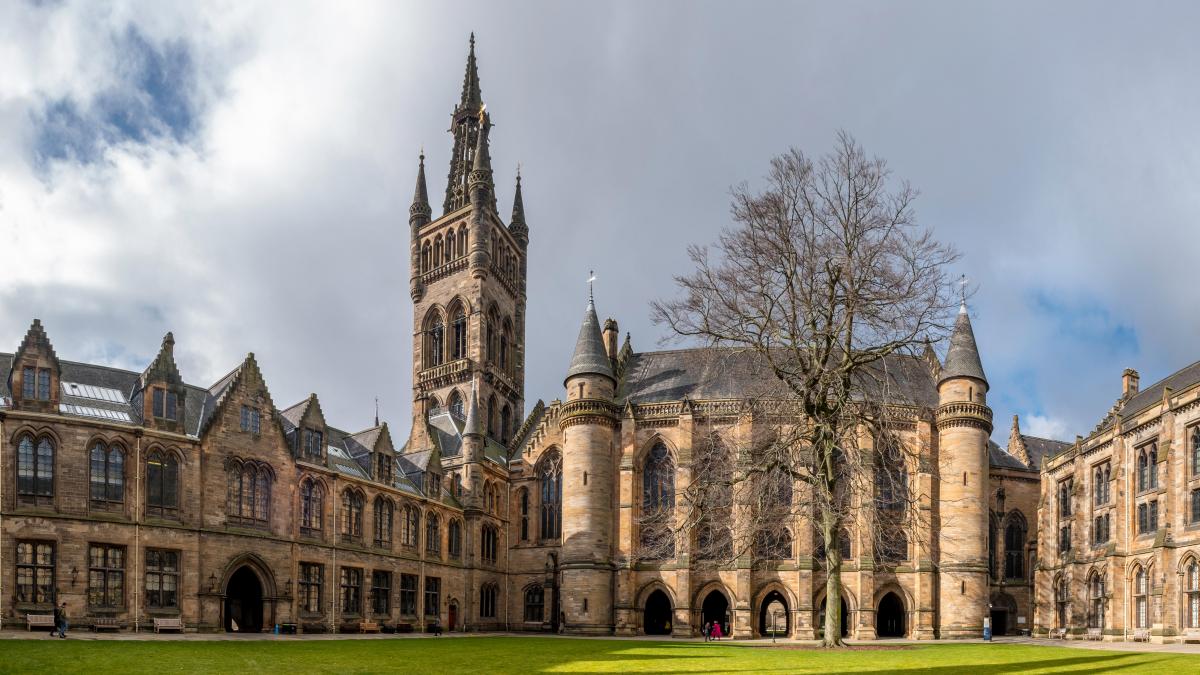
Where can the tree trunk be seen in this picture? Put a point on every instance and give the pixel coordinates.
(833, 582)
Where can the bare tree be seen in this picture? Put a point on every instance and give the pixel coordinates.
(827, 288)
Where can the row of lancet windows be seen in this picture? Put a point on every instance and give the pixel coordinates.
(442, 250)
(1142, 610)
(446, 339)
(499, 421)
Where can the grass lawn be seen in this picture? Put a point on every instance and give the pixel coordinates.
(489, 655)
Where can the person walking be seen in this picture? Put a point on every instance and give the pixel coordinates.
(707, 630)
(716, 631)
(60, 621)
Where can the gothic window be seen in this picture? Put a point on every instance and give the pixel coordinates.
(312, 507)
(352, 515)
(658, 504)
(488, 544)
(162, 578)
(35, 572)
(456, 405)
(493, 335)
(1062, 599)
(433, 534)
(714, 542)
(437, 251)
(774, 543)
(550, 482)
(1195, 451)
(249, 493)
(462, 240)
(1141, 605)
(384, 510)
(1064, 539)
(1064, 498)
(1196, 505)
(487, 601)
(106, 576)
(1191, 595)
(505, 422)
(449, 246)
(455, 536)
(523, 497)
(35, 470)
(1147, 467)
(459, 327)
(107, 464)
(891, 478)
(491, 416)
(991, 542)
(1014, 548)
(426, 255)
(162, 485)
(1101, 490)
(410, 526)
(535, 604)
(505, 342)
(434, 340)
(893, 547)
(1096, 595)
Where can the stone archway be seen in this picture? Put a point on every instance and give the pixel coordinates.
(774, 614)
(243, 602)
(845, 609)
(715, 608)
(657, 616)
(890, 616)
(1003, 614)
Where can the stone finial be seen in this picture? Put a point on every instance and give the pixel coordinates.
(1016, 442)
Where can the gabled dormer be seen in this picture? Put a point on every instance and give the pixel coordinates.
(241, 402)
(374, 452)
(34, 378)
(304, 425)
(160, 395)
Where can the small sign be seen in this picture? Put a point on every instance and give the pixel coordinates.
(1020, 619)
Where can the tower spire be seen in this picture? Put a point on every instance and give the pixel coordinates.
(471, 96)
(483, 190)
(465, 124)
(419, 212)
(517, 226)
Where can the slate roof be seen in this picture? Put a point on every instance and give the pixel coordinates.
(702, 373)
(1041, 448)
(962, 359)
(589, 357)
(1177, 381)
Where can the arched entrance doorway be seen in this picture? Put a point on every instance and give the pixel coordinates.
(767, 621)
(1003, 613)
(244, 602)
(657, 617)
(452, 618)
(845, 619)
(889, 617)
(715, 608)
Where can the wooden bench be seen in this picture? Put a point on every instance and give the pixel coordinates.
(1141, 635)
(1095, 634)
(39, 620)
(1058, 634)
(162, 623)
(404, 627)
(1190, 635)
(368, 626)
(105, 623)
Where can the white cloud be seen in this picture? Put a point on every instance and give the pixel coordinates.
(1043, 426)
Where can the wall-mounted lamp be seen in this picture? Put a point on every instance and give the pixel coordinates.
(74, 575)
(212, 583)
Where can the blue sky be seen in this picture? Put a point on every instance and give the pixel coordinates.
(240, 173)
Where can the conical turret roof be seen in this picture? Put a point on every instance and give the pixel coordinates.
(590, 358)
(962, 359)
(471, 96)
(473, 426)
(420, 203)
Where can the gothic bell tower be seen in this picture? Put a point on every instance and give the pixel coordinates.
(467, 285)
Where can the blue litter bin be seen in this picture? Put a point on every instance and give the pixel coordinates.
(987, 629)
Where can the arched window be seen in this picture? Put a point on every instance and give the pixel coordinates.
(491, 416)
(523, 498)
(449, 246)
(425, 257)
(505, 341)
(893, 546)
(1148, 467)
(1014, 549)
(107, 465)
(458, 343)
(991, 542)
(1062, 600)
(312, 507)
(658, 504)
(35, 470)
(249, 493)
(433, 534)
(434, 348)
(162, 485)
(493, 334)
(352, 515)
(535, 604)
(488, 544)
(384, 510)
(437, 251)
(410, 526)
(773, 543)
(487, 601)
(505, 430)
(1096, 596)
(891, 478)
(1141, 604)
(455, 536)
(1196, 451)
(462, 240)
(845, 545)
(456, 405)
(1191, 595)
(550, 481)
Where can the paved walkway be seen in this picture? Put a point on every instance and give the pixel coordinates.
(766, 643)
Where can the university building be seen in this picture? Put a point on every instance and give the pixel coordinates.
(136, 495)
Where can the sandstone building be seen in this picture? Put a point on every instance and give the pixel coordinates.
(135, 495)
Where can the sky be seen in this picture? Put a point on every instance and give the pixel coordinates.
(239, 173)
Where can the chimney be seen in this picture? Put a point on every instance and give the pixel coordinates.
(1129, 382)
(610, 337)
